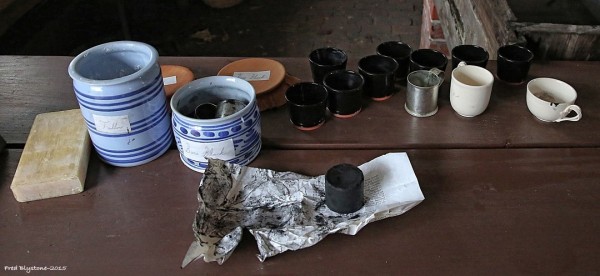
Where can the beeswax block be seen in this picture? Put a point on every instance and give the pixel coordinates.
(55, 158)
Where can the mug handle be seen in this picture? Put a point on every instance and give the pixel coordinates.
(439, 73)
(568, 109)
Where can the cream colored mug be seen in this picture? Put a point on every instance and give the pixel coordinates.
(470, 89)
(552, 100)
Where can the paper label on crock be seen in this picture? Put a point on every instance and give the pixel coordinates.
(253, 76)
(112, 124)
(223, 150)
(170, 80)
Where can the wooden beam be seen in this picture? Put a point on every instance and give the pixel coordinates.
(483, 23)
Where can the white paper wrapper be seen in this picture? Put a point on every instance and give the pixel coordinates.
(287, 211)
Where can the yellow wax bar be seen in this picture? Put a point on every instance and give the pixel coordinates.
(55, 158)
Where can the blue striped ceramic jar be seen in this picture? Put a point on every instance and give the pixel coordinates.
(234, 138)
(120, 91)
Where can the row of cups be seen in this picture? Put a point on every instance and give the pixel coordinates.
(548, 99)
(340, 90)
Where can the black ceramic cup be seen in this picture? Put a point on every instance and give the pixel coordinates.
(345, 89)
(379, 74)
(426, 59)
(344, 188)
(470, 54)
(307, 105)
(325, 60)
(205, 111)
(400, 52)
(513, 63)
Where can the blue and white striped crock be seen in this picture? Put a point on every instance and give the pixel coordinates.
(120, 84)
(238, 133)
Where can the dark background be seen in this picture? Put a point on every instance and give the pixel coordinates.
(192, 28)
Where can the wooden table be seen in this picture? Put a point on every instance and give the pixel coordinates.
(504, 193)
(34, 85)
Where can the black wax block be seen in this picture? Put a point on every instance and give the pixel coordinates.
(344, 188)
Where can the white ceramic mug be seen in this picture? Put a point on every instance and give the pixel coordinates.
(470, 89)
(552, 100)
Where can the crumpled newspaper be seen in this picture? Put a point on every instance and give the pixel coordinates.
(287, 211)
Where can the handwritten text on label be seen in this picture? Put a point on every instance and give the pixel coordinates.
(253, 76)
(223, 150)
(112, 124)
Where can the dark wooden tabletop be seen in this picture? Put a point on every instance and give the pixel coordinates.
(498, 211)
(504, 193)
(33, 85)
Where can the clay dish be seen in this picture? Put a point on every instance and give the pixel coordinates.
(182, 75)
(268, 91)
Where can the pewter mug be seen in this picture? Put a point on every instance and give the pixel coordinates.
(422, 92)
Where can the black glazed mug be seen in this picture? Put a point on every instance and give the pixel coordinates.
(307, 105)
(400, 52)
(470, 54)
(379, 74)
(513, 63)
(426, 59)
(325, 60)
(344, 188)
(345, 89)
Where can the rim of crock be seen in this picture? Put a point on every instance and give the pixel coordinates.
(214, 121)
(147, 49)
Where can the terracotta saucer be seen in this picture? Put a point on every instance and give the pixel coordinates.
(309, 128)
(346, 116)
(175, 76)
(382, 98)
(270, 91)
